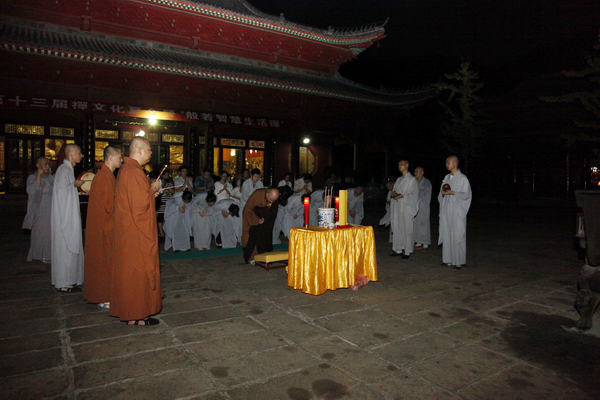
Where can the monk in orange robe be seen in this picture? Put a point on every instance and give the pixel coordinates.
(136, 291)
(257, 223)
(97, 265)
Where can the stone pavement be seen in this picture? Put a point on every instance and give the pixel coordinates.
(500, 329)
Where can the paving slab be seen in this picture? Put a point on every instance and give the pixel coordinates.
(501, 328)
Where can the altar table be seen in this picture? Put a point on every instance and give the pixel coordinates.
(321, 259)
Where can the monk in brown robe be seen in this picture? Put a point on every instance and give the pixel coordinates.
(257, 224)
(136, 291)
(97, 265)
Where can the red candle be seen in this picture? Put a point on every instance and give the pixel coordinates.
(337, 209)
(306, 210)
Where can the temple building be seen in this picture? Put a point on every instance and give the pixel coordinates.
(212, 83)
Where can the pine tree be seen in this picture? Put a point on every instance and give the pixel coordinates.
(463, 129)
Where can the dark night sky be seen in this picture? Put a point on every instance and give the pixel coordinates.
(506, 41)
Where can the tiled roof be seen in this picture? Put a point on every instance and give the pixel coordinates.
(53, 41)
(240, 11)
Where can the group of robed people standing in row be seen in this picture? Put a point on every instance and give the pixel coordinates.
(121, 264)
(408, 213)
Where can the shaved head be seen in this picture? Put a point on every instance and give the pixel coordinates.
(41, 160)
(452, 158)
(111, 151)
(140, 150)
(272, 195)
(138, 142)
(71, 148)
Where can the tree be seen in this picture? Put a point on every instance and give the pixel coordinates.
(462, 130)
(588, 136)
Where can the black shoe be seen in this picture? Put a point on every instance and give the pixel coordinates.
(457, 267)
(405, 256)
(145, 322)
(394, 254)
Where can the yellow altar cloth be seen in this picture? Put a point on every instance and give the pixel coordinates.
(321, 259)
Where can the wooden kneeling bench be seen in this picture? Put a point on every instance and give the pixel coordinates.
(272, 260)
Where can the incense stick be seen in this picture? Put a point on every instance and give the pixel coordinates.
(161, 172)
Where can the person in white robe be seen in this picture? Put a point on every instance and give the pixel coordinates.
(404, 207)
(316, 201)
(286, 181)
(303, 185)
(386, 219)
(455, 201)
(285, 192)
(223, 187)
(422, 224)
(294, 214)
(39, 208)
(356, 211)
(183, 181)
(178, 221)
(249, 186)
(65, 221)
(227, 224)
(203, 220)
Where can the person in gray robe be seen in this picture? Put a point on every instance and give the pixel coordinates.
(39, 208)
(65, 221)
(202, 219)
(294, 214)
(356, 211)
(405, 205)
(250, 186)
(422, 223)
(455, 200)
(386, 219)
(178, 221)
(316, 201)
(227, 224)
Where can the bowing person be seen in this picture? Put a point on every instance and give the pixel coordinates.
(136, 291)
(294, 214)
(227, 224)
(202, 219)
(356, 210)
(98, 258)
(316, 201)
(257, 225)
(178, 221)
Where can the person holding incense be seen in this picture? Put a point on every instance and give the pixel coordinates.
(98, 259)
(136, 289)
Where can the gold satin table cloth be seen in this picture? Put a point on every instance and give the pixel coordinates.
(321, 259)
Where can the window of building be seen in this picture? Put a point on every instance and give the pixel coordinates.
(175, 156)
(58, 131)
(106, 134)
(99, 147)
(24, 129)
(255, 159)
(307, 161)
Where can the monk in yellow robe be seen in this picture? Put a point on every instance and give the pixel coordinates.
(136, 291)
(97, 265)
(257, 223)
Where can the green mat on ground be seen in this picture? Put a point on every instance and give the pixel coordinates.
(213, 253)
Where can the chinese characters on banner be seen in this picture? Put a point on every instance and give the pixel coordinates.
(39, 103)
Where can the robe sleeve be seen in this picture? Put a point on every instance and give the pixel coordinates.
(141, 201)
(33, 192)
(425, 194)
(65, 194)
